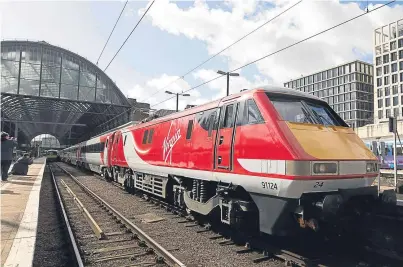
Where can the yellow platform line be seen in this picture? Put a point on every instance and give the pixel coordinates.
(95, 227)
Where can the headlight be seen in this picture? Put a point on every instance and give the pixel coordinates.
(323, 168)
(372, 167)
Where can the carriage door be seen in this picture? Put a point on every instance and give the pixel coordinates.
(109, 150)
(225, 135)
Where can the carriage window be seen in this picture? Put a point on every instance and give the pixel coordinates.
(189, 131)
(145, 137)
(229, 116)
(212, 122)
(254, 115)
(150, 136)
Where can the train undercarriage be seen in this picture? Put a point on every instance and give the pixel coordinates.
(254, 213)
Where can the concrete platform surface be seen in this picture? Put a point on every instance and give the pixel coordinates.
(19, 201)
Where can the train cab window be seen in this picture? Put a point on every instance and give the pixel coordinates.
(254, 115)
(124, 141)
(150, 136)
(229, 116)
(304, 110)
(106, 144)
(189, 131)
(145, 137)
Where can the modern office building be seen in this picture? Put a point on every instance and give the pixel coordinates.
(388, 59)
(347, 88)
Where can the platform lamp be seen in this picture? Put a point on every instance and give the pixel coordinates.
(228, 74)
(177, 97)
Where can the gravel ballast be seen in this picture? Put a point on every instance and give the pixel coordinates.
(52, 247)
(118, 249)
(190, 247)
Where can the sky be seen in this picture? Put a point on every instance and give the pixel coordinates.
(176, 36)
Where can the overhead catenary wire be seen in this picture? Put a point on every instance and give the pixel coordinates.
(266, 56)
(130, 34)
(222, 50)
(287, 47)
(121, 12)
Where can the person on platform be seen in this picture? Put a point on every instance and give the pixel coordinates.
(21, 165)
(7, 146)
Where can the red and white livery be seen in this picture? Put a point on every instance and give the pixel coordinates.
(271, 157)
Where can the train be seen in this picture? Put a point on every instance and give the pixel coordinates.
(52, 155)
(385, 153)
(270, 160)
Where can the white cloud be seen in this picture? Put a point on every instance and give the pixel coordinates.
(218, 28)
(151, 91)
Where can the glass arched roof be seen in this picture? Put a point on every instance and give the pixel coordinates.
(48, 89)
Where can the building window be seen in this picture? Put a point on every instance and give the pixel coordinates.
(395, 101)
(393, 56)
(394, 67)
(393, 31)
(379, 82)
(396, 112)
(401, 76)
(387, 113)
(352, 67)
(400, 43)
(380, 103)
(394, 89)
(401, 54)
(386, 48)
(393, 45)
(401, 65)
(378, 50)
(387, 91)
(385, 59)
(394, 78)
(378, 61)
(387, 102)
(386, 80)
(386, 69)
(380, 114)
(380, 92)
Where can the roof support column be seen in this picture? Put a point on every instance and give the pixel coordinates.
(40, 72)
(19, 72)
(60, 76)
(78, 87)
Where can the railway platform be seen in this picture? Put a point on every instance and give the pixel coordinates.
(19, 213)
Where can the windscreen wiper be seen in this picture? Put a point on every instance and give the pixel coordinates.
(321, 117)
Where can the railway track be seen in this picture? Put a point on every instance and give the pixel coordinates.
(267, 249)
(100, 235)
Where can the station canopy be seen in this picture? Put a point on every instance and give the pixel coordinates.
(46, 89)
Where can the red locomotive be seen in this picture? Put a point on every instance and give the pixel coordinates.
(274, 158)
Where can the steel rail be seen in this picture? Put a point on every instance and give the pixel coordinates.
(94, 225)
(66, 220)
(151, 243)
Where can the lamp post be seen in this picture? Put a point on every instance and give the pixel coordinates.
(228, 74)
(177, 97)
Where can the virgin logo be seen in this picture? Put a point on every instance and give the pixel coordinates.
(169, 143)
